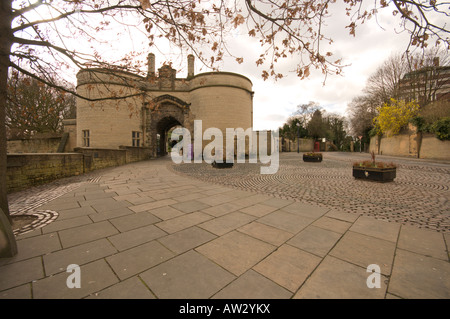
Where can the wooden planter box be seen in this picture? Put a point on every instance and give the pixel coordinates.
(222, 165)
(382, 175)
(312, 158)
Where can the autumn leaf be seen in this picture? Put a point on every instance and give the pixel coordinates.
(238, 20)
(145, 4)
(306, 72)
(352, 27)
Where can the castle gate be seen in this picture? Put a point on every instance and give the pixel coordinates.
(164, 113)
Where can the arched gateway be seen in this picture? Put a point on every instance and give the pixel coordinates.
(156, 103)
(164, 113)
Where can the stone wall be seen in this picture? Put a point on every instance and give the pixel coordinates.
(70, 127)
(433, 148)
(411, 144)
(26, 170)
(397, 145)
(34, 145)
(306, 145)
(136, 154)
(101, 158)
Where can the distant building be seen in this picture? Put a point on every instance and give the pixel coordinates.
(426, 85)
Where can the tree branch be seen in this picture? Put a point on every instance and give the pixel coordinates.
(73, 92)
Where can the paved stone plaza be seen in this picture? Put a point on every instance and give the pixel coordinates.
(419, 196)
(155, 230)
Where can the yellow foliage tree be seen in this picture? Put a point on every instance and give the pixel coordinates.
(395, 115)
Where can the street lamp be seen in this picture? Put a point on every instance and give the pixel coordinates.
(298, 137)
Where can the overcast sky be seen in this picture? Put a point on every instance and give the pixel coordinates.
(275, 101)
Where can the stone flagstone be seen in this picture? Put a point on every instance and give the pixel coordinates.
(20, 272)
(186, 239)
(236, 251)
(94, 276)
(365, 250)
(138, 259)
(337, 279)
(252, 285)
(315, 240)
(188, 276)
(59, 260)
(288, 266)
(83, 234)
(417, 276)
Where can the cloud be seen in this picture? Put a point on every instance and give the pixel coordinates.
(274, 101)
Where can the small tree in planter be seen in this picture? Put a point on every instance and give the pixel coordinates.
(374, 171)
(312, 157)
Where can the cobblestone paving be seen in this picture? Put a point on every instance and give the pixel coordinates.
(27, 202)
(418, 196)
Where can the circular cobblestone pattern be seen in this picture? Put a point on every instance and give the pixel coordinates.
(419, 195)
(24, 205)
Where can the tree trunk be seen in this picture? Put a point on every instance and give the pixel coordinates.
(419, 143)
(379, 137)
(5, 48)
(8, 246)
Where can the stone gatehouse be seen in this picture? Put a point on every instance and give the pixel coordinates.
(155, 104)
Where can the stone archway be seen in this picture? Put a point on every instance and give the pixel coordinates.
(165, 112)
(162, 128)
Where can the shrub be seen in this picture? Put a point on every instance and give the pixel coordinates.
(313, 154)
(373, 163)
(394, 116)
(441, 128)
(420, 123)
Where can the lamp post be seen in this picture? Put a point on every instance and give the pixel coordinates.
(298, 137)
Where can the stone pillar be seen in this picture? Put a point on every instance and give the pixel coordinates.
(190, 65)
(151, 65)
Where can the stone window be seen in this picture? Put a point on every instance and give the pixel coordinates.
(86, 138)
(136, 138)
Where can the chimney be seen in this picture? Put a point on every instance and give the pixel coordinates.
(151, 65)
(436, 61)
(190, 66)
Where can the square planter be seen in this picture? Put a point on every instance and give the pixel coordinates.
(222, 165)
(382, 175)
(312, 157)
